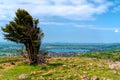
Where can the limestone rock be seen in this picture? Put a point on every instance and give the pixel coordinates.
(23, 76)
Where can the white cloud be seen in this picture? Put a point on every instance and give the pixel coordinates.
(95, 27)
(116, 30)
(107, 28)
(72, 24)
(70, 9)
(82, 25)
(53, 23)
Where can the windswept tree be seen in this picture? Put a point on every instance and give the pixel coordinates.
(24, 29)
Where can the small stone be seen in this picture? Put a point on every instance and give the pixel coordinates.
(100, 66)
(12, 63)
(64, 65)
(84, 77)
(91, 64)
(75, 75)
(41, 78)
(104, 79)
(94, 78)
(114, 71)
(73, 65)
(84, 72)
(23, 76)
(32, 73)
(111, 66)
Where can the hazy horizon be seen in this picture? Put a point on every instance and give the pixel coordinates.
(9, 42)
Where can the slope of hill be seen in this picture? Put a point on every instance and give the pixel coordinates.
(60, 68)
(112, 55)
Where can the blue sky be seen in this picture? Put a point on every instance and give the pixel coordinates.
(72, 21)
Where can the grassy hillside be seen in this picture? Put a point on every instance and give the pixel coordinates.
(60, 68)
(112, 55)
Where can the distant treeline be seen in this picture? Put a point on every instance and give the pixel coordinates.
(11, 48)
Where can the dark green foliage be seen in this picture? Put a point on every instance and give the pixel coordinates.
(24, 30)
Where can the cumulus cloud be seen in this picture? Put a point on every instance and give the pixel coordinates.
(69, 9)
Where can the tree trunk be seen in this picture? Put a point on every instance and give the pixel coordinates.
(32, 51)
(34, 56)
